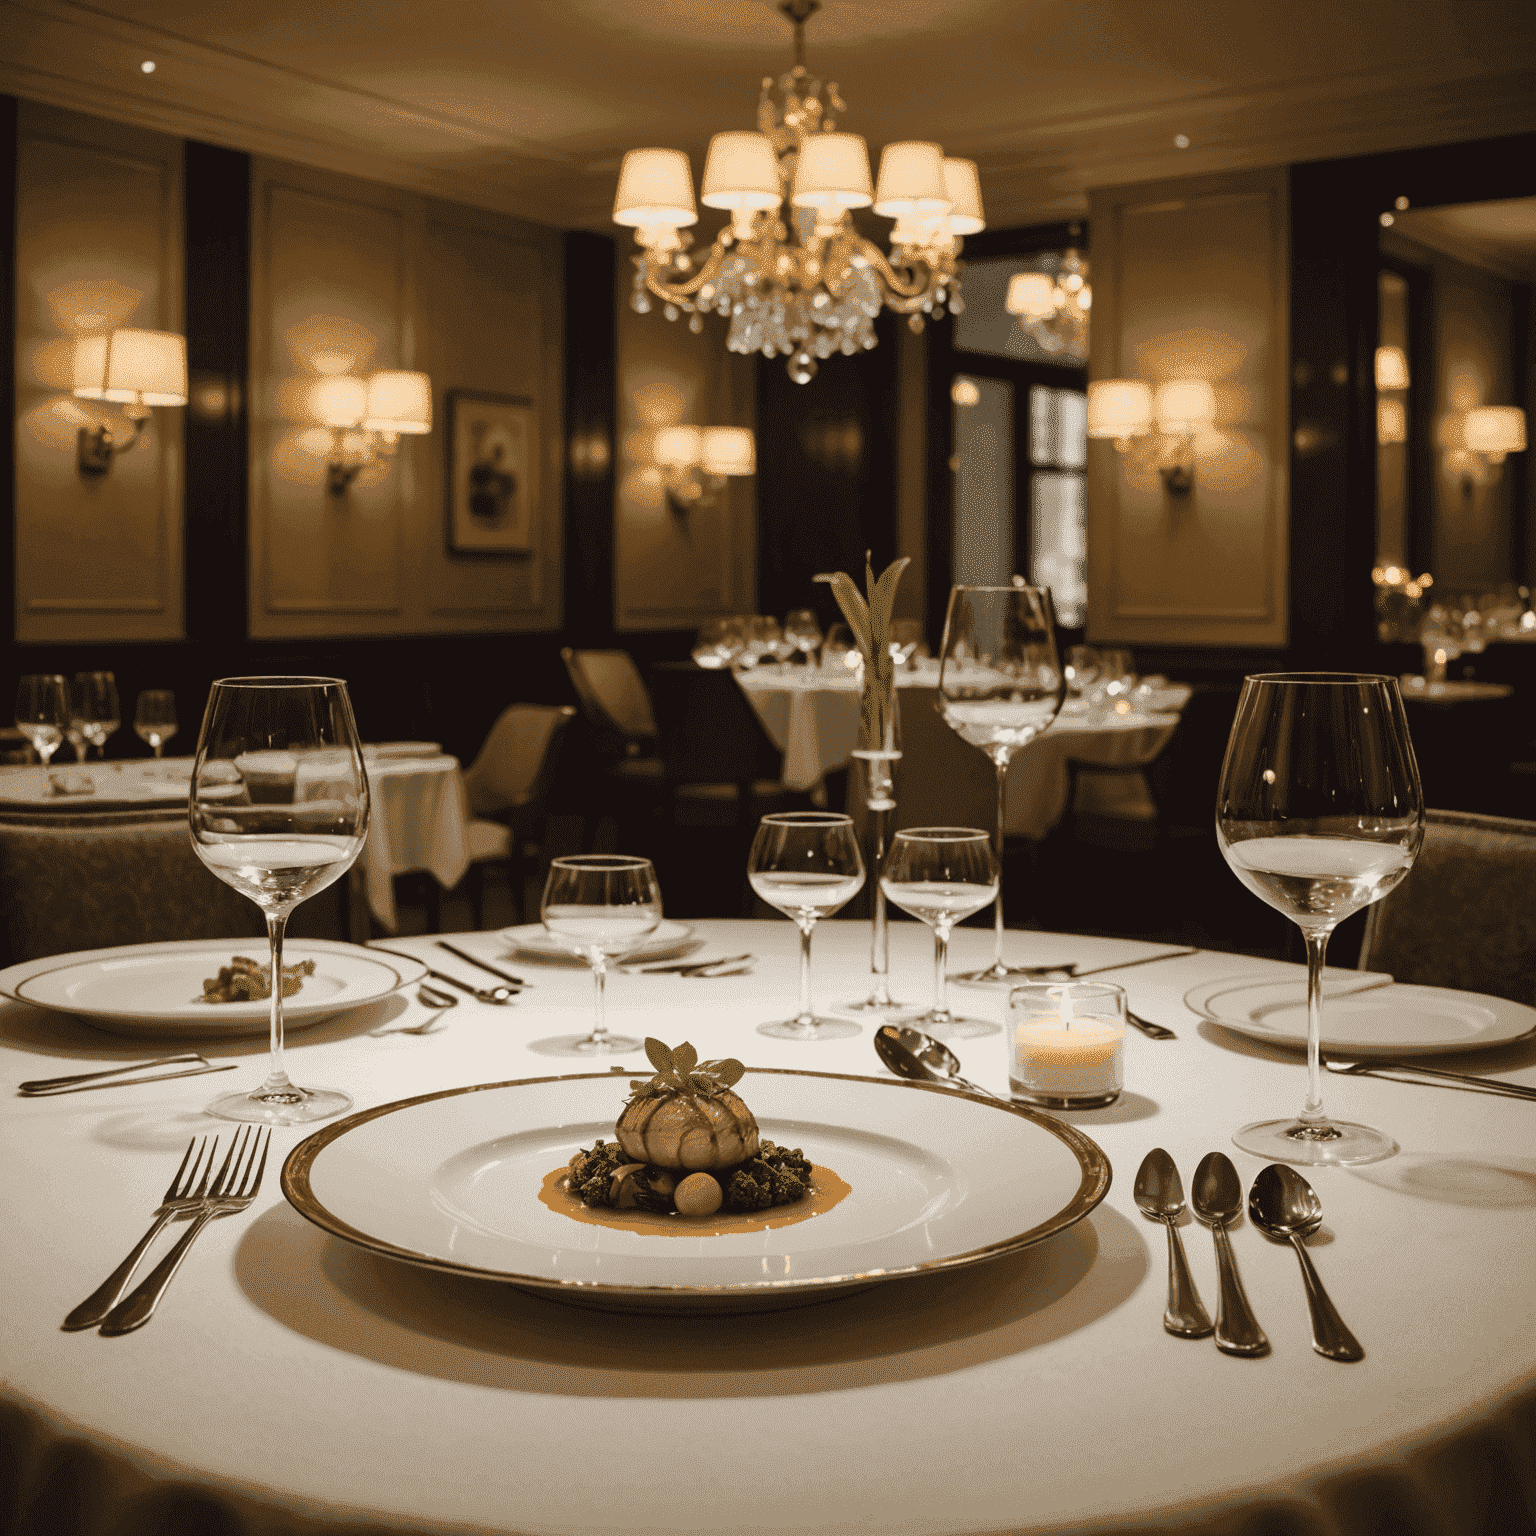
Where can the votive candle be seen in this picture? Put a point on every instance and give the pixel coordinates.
(1067, 1046)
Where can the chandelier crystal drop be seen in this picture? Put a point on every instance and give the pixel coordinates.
(1053, 308)
(790, 272)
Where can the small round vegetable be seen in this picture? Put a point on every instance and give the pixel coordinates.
(698, 1195)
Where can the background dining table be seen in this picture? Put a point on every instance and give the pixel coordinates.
(294, 1383)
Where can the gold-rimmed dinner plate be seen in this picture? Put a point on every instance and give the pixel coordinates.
(157, 989)
(938, 1180)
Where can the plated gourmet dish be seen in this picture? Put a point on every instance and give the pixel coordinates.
(687, 1146)
(245, 980)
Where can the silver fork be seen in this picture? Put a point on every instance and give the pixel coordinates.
(1381, 1069)
(236, 1184)
(184, 1192)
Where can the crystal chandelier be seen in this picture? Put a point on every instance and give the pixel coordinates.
(801, 283)
(1053, 310)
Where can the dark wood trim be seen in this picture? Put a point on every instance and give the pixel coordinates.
(591, 428)
(1518, 465)
(217, 202)
(1026, 239)
(1420, 520)
(8, 149)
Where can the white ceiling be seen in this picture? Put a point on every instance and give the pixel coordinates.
(527, 105)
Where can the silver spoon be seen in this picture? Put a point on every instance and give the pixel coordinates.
(1217, 1197)
(1160, 1197)
(1285, 1207)
(432, 998)
(912, 1054)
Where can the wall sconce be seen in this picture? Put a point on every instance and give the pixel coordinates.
(1479, 440)
(1169, 418)
(367, 418)
(695, 461)
(1391, 368)
(140, 369)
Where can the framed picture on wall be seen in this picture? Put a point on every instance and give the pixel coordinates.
(492, 473)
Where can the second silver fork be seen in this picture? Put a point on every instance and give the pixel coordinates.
(236, 1184)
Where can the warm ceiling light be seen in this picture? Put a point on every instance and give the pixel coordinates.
(729, 451)
(399, 402)
(655, 190)
(1119, 408)
(1031, 295)
(832, 172)
(741, 171)
(1183, 406)
(963, 185)
(911, 182)
(1391, 368)
(1181, 141)
(1494, 430)
(148, 66)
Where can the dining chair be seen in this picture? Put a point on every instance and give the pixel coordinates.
(614, 699)
(508, 787)
(1463, 917)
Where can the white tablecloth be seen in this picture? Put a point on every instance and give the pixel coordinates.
(290, 1380)
(813, 718)
(419, 821)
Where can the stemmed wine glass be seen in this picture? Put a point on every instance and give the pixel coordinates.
(807, 864)
(598, 906)
(802, 631)
(941, 875)
(1000, 685)
(279, 810)
(154, 718)
(1319, 812)
(77, 732)
(100, 712)
(42, 711)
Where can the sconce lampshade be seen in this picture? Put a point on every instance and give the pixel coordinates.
(911, 182)
(1495, 430)
(1185, 405)
(1119, 408)
(399, 402)
(741, 171)
(679, 447)
(832, 172)
(655, 190)
(126, 366)
(729, 451)
(339, 400)
(1031, 295)
(1391, 368)
(1391, 422)
(963, 185)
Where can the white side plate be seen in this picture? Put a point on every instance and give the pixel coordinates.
(157, 989)
(451, 1181)
(1363, 1020)
(534, 941)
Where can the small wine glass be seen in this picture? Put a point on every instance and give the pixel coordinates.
(841, 655)
(103, 714)
(598, 906)
(1319, 812)
(154, 718)
(1000, 685)
(803, 631)
(1083, 667)
(941, 875)
(78, 731)
(278, 810)
(906, 636)
(807, 865)
(42, 711)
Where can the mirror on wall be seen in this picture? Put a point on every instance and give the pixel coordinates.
(1454, 545)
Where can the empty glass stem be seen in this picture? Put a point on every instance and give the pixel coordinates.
(278, 1088)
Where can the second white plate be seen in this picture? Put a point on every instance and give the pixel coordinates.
(533, 941)
(1362, 1020)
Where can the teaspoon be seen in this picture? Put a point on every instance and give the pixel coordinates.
(1160, 1197)
(1286, 1208)
(1217, 1196)
(912, 1054)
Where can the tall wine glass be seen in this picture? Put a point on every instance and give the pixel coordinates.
(103, 714)
(598, 906)
(279, 810)
(1319, 812)
(807, 864)
(77, 732)
(1000, 685)
(154, 718)
(802, 631)
(941, 875)
(42, 711)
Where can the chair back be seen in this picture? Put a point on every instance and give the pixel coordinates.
(613, 695)
(941, 781)
(1464, 916)
(515, 768)
(708, 733)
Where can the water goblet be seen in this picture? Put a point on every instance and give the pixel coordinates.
(803, 631)
(278, 809)
(1319, 812)
(1000, 685)
(154, 718)
(941, 875)
(103, 714)
(42, 711)
(598, 906)
(807, 865)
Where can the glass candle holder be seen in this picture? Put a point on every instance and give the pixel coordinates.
(1067, 1043)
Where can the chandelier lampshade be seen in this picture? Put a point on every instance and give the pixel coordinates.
(729, 451)
(1031, 295)
(832, 172)
(655, 190)
(911, 183)
(132, 367)
(399, 402)
(742, 171)
(1119, 408)
(962, 185)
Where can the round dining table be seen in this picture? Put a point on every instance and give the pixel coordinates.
(292, 1382)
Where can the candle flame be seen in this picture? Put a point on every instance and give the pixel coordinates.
(1066, 1007)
